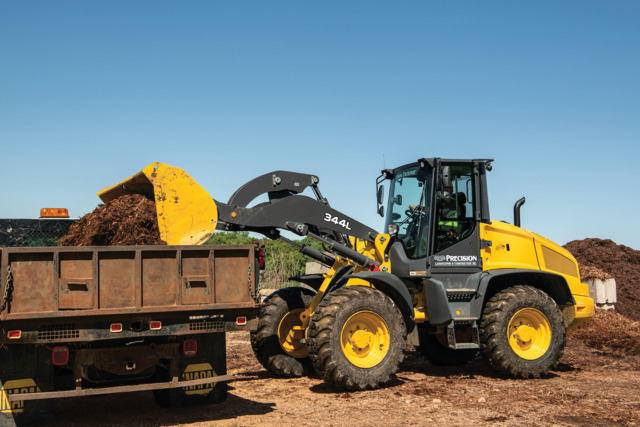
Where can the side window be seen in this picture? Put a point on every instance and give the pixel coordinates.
(454, 221)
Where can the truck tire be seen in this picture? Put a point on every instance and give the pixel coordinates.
(357, 338)
(433, 349)
(522, 332)
(278, 348)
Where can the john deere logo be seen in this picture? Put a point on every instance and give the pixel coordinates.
(196, 372)
(16, 387)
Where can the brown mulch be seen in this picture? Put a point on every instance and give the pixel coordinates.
(587, 272)
(127, 220)
(621, 262)
(610, 332)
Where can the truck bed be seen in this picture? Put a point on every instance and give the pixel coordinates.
(61, 285)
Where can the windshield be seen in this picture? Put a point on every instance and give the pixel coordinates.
(408, 207)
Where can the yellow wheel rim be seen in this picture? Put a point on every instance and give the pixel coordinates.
(529, 333)
(365, 339)
(290, 334)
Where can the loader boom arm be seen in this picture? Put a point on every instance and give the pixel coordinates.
(188, 215)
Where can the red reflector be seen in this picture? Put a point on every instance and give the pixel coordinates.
(60, 355)
(190, 348)
(261, 261)
(14, 335)
(155, 325)
(241, 321)
(116, 327)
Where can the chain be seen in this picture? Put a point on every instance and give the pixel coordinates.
(250, 290)
(8, 289)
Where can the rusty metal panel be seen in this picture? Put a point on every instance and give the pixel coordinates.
(76, 287)
(197, 272)
(33, 282)
(117, 279)
(160, 279)
(232, 275)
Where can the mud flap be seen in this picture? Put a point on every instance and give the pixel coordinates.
(25, 369)
(209, 362)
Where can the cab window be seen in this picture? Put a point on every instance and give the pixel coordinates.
(454, 217)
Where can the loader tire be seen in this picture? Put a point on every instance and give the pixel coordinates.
(278, 348)
(357, 338)
(433, 348)
(522, 332)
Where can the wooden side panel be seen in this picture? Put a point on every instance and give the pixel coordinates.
(232, 276)
(33, 282)
(117, 273)
(160, 278)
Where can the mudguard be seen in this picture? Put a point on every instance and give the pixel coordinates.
(437, 302)
(493, 281)
(394, 288)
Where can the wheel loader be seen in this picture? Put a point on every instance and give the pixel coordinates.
(444, 276)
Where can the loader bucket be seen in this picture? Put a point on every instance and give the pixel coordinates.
(187, 214)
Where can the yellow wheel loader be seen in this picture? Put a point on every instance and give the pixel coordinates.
(444, 275)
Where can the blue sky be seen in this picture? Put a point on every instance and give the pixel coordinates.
(91, 92)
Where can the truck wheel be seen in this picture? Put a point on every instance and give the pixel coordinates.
(357, 338)
(277, 345)
(433, 347)
(522, 332)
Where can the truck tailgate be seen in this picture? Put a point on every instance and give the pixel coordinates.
(92, 281)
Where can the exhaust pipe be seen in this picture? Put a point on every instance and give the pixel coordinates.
(516, 211)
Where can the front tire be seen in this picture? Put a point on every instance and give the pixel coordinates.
(279, 347)
(522, 332)
(357, 338)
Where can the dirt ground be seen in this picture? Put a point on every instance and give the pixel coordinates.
(592, 386)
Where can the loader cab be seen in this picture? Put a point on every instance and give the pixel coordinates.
(434, 208)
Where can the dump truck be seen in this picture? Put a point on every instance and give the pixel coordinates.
(444, 276)
(81, 321)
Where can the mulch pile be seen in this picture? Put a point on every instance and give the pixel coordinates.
(621, 262)
(127, 220)
(587, 272)
(610, 332)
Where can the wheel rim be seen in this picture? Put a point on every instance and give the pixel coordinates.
(289, 337)
(365, 339)
(529, 333)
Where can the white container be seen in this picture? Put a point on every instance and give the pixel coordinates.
(603, 292)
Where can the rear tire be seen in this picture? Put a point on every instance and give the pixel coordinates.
(357, 338)
(522, 332)
(277, 346)
(433, 350)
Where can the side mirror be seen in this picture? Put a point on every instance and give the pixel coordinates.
(398, 200)
(381, 211)
(446, 176)
(380, 194)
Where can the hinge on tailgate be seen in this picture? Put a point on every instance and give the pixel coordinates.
(8, 290)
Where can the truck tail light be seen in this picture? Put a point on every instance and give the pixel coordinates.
(261, 261)
(60, 355)
(241, 321)
(155, 325)
(116, 327)
(190, 348)
(54, 213)
(14, 335)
